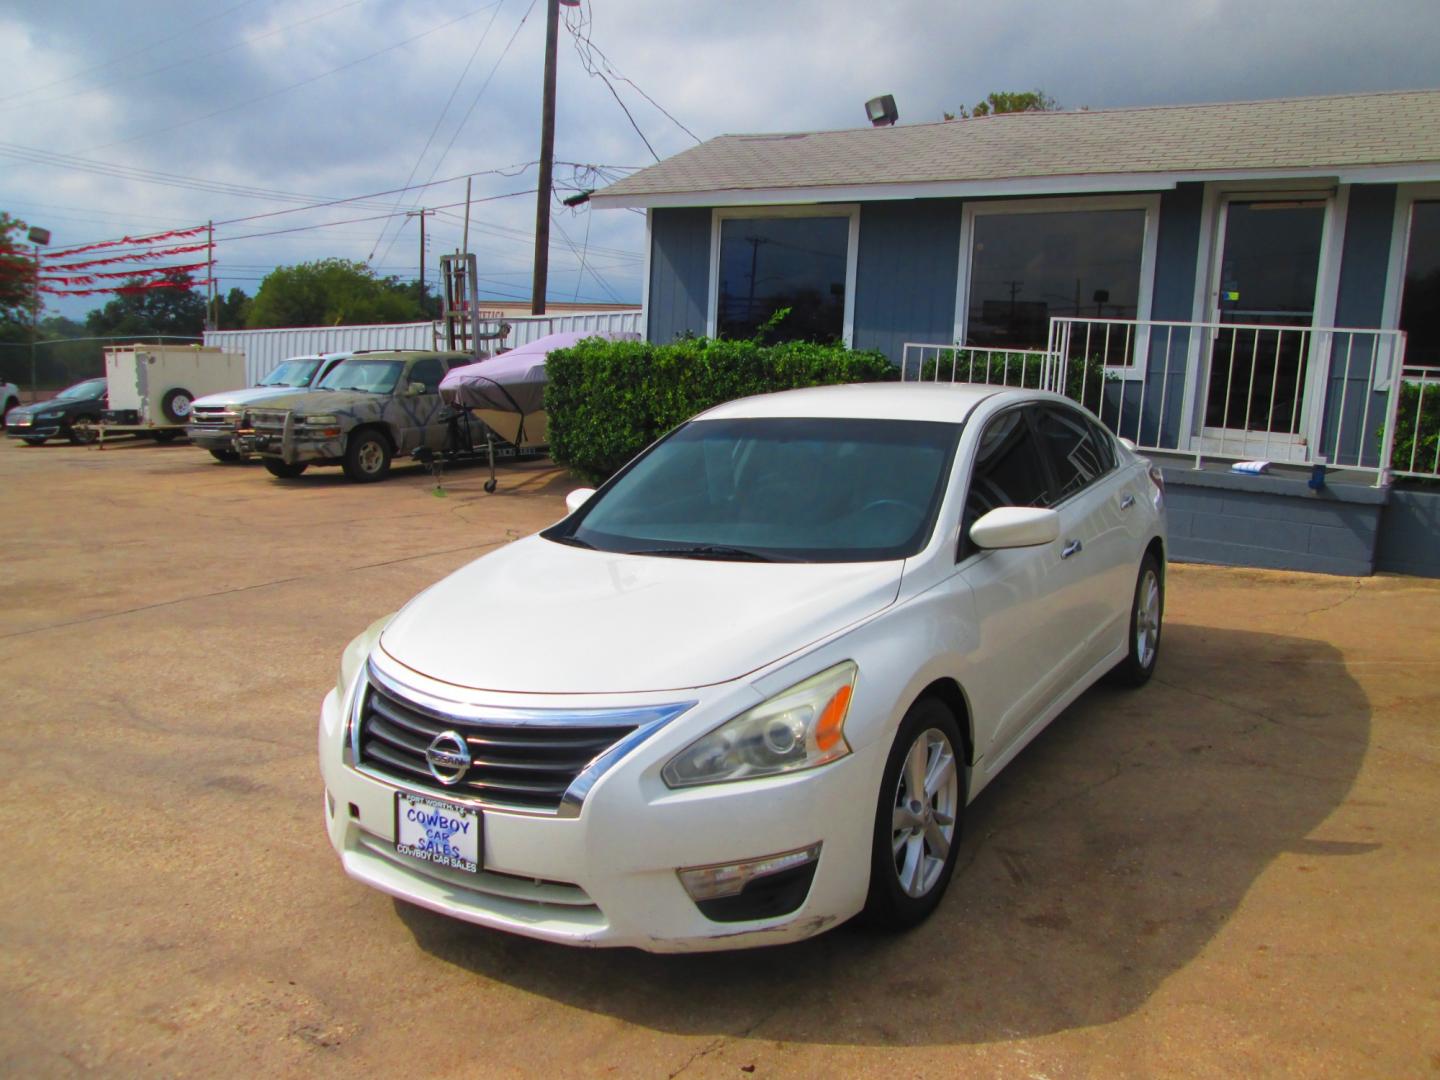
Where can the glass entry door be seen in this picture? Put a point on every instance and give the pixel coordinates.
(1268, 268)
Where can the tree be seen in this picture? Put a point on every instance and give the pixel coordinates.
(329, 292)
(231, 309)
(17, 273)
(179, 310)
(1009, 101)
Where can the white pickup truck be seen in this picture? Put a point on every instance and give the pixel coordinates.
(9, 398)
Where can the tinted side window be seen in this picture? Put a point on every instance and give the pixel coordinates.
(1077, 455)
(1008, 472)
(428, 374)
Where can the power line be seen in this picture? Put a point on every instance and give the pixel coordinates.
(443, 112)
(466, 118)
(292, 86)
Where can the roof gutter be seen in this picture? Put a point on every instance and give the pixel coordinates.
(1090, 184)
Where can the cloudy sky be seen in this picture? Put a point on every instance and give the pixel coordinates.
(137, 116)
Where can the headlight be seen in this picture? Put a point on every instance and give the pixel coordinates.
(798, 728)
(317, 421)
(353, 658)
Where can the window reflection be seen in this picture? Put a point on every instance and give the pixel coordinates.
(771, 263)
(1028, 267)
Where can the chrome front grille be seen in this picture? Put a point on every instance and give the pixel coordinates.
(267, 420)
(538, 760)
(212, 416)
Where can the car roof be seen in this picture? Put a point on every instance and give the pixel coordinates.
(946, 402)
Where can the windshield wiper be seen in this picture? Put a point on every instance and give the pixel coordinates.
(709, 551)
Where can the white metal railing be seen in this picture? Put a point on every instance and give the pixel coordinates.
(1339, 396)
(1415, 449)
(1021, 368)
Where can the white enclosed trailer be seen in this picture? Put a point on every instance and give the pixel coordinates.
(150, 387)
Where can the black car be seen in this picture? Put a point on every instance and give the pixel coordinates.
(74, 413)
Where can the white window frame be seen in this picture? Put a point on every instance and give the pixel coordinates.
(817, 210)
(1150, 203)
(1405, 199)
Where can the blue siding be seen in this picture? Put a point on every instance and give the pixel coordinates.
(1365, 258)
(679, 273)
(906, 274)
(1155, 421)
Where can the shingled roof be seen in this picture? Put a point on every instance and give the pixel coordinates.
(1054, 151)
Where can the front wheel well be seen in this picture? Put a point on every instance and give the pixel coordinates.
(948, 691)
(1156, 547)
(374, 425)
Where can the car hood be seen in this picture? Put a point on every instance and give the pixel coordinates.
(248, 397)
(325, 401)
(545, 618)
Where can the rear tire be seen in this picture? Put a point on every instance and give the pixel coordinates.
(917, 819)
(229, 457)
(83, 430)
(367, 456)
(283, 471)
(1147, 609)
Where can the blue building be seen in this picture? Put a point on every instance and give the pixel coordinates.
(1221, 283)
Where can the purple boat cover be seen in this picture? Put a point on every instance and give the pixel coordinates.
(513, 381)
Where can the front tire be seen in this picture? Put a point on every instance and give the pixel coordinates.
(918, 818)
(228, 457)
(284, 471)
(1146, 612)
(31, 440)
(367, 456)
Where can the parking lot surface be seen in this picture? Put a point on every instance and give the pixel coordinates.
(1232, 872)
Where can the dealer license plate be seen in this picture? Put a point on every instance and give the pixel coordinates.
(437, 832)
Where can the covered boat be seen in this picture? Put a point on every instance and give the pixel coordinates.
(507, 392)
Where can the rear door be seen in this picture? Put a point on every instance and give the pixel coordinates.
(1096, 547)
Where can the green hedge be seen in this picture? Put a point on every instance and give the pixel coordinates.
(608, 400)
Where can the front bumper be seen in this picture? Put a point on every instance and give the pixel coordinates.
(46, 429)
(296, 449)
(608, 877)
(211, 437)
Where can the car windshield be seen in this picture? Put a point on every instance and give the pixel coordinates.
(368, 374)
(782, 489)
(292, 373)
(90, 388)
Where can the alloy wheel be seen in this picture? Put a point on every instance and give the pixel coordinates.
(923, 820)
(1147, 618)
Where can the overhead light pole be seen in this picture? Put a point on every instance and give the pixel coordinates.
(540, 281)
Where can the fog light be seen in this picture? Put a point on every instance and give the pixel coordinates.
(756, 889)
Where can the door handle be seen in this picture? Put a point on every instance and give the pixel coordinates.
(1127, 502)
(1072, 547)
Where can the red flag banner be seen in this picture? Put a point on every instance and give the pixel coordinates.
(163, 253)
(128, 241)
(127, 290)
(138, 271)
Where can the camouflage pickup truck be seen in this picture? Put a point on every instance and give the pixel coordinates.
(369, 408)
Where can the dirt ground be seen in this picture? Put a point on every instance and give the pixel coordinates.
(1235, 871)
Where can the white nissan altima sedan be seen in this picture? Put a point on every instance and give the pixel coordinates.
(746, 689)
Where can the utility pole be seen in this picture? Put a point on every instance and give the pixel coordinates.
(211, 322)
(547, 160)
(421, 214)
(36, 236)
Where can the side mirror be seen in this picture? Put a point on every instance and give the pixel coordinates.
(414, 389)
(1016, 527)
(579, 497)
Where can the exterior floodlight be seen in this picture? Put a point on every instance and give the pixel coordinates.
(882, 111)
(569, 3)
(38, 235)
